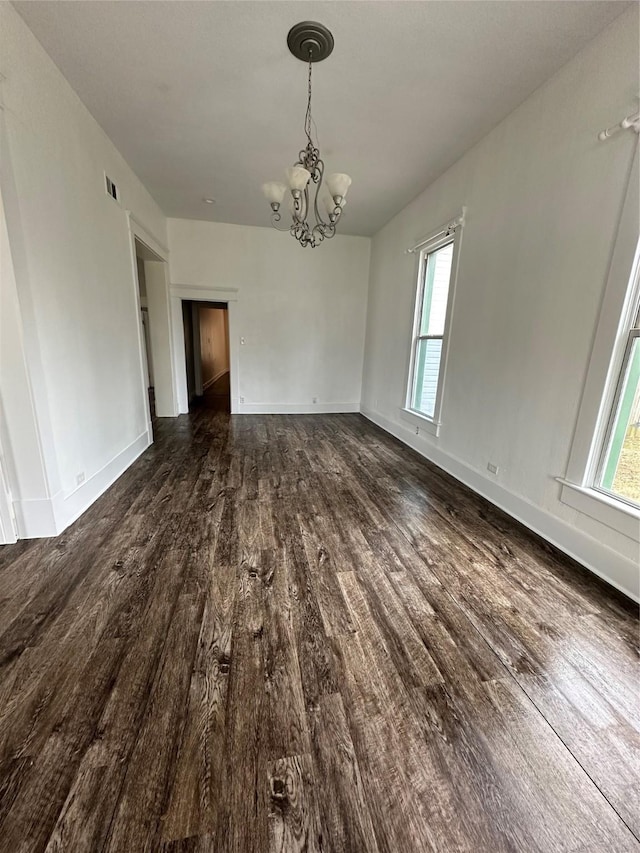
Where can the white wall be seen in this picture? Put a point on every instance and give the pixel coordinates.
(26, 473)
(543, 197)
(300, 311)
(74, 272)
(214, 346)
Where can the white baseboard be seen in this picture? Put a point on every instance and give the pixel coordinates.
(616, 569)
(42, 518)
(296, 408)
(35, 519)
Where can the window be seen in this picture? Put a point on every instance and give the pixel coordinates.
(431, 324)
(618, 470)
(602, 479)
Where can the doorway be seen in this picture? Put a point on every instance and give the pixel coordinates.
(207, 358)
(156, 343)
(147, 356)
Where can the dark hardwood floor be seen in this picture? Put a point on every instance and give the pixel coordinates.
(294, 634)
(217, 396)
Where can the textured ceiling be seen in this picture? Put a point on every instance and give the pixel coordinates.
(204, 99)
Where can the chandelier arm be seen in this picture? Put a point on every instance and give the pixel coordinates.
(300, 230)
(320, 233)
(275, 219)
(306, 205)
(320, 177)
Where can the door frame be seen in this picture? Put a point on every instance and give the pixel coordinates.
(230, 296)
(138, 232)
(8, 527)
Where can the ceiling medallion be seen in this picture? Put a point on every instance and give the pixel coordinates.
(310, 42)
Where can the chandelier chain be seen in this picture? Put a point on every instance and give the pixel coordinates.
(307, 118)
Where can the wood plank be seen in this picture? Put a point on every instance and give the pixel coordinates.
(294, 820)
(293, 633)
(345, 812)
(193, 805)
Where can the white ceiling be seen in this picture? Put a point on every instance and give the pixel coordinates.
(204, 98)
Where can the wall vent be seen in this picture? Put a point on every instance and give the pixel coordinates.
(112, 189)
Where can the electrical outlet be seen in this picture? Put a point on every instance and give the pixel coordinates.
(315, 400)
(80, 478)
(242, 399)
(493, 469)
(242, 342)
(417, 430)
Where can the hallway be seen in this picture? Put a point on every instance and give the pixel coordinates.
(217, 396)
(283, 633)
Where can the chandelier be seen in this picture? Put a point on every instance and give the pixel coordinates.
(310, 193)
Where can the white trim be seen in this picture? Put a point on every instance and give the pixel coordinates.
(602, 460)
(171, 408)
(166, 397)
(205, 293)
(614, 568)
(420, 421)
(296, 408)
(43, 518)
(139, 232)
(8, 529)
(8, 533)
(70, 506)
(147, 237)
(618, 306)
(606, 509)
(442, 237)
(180, 369)
(35, 519)
(606, 359)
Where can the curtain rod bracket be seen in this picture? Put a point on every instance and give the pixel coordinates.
(630, 122)
(445, 231)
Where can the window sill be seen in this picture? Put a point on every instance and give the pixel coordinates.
(421, 422)
(605, 509)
